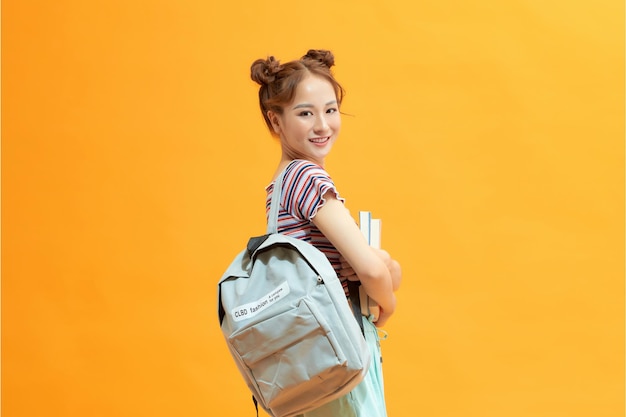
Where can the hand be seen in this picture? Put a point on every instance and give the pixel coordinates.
(384, 315)
(392, 265)
(346, 271)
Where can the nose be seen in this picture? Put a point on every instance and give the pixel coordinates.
(321, 125)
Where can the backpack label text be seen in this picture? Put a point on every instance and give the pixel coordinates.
(249, 310)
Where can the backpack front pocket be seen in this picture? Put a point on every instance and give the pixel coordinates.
(293, 348)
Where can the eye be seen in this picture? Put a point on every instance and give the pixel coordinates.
(305, 113)
(331, 110)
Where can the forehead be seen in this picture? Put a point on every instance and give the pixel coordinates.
(313, 89)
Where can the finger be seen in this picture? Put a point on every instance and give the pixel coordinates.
(345, 272)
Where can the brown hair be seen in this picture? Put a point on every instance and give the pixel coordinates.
(279, 81)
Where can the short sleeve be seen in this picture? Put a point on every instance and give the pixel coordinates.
(304, 187)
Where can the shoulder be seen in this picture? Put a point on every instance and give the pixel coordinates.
(303, 168)
(304, 188)
(301, 174)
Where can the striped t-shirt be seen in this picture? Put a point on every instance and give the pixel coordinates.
(304, 186)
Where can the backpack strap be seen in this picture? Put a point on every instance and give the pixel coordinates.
(272, 219)
(355, 302)
(256, 405)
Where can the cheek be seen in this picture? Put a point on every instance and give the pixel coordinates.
(293, 123)
(295, 129)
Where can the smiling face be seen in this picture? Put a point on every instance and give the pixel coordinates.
(309, 125)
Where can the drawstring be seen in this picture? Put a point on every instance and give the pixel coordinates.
(382, 334)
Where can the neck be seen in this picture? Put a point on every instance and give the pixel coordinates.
(286, 159)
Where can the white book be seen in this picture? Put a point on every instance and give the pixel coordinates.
(371, 229)
(375, 226)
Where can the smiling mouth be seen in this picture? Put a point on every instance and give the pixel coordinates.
(320, 140)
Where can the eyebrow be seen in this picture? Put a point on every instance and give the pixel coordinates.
(307, 105)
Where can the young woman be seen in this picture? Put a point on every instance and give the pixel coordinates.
(300, 102)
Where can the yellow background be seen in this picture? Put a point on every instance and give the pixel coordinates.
(487, 135)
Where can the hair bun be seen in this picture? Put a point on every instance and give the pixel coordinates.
(321, 55)
(263, 71)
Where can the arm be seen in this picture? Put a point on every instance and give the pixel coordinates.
(334, 220)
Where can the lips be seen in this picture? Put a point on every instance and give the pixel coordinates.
(320, 140)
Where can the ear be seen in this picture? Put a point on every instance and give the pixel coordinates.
(275, 120)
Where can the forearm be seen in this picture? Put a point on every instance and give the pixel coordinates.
(378, 280)
(378, 285)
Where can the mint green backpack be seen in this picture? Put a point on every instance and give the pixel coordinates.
(288, 325)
